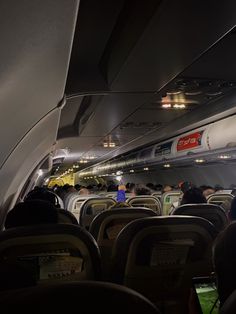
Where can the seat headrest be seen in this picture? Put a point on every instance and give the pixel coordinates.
(31, 213)
(80, 297)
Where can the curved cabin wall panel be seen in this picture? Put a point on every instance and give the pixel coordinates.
(36, 39)
(25, 158)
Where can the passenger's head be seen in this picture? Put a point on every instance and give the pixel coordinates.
(193, 196)
(31, 212)
(224, 256)
(150, 186)
(207, 190)
(84, 191)
(77, 187)
(42, 194)
(142, 190)
(185, 186)
(167, 188)
(218, 187)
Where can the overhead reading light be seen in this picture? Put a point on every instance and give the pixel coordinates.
(118, 178)
(179, 106)
(199, 161)
(40, 172)
(224, 156)
(146, 169)
(118, 173)
(83, 161)
(166, 165)
(166, 106)
(109, 144)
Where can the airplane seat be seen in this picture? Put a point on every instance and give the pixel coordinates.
(92, 207)
(159, 256)
(78, 297)
(157, 195)
(66, 217)
(168, 199)
(77, 198)
(212, 212)
(52, 252)
(222, 199)
(106, 226)
(37, 212)
(229, 306)
(31, 212)
(147, 201)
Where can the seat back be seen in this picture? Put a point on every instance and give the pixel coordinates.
(159, 256)
(222, 199)
(66, 217)
(229, 306)
(76, 202)
(51, 252)
(79, 297)
(92, 207)
(157, 194)
(214, 213)
(106, 225)
(147, 201)
(167, 199)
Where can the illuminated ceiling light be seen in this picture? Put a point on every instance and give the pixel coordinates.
(166, 166)
(105, 144)
(146, 169)
(179, 106)
(40, 172)
(112, 144)
(118, 173)
(166, 106)
(131, 170)
(224, 157)
(83, 161)
(174, 92)
(199, 161)
(118, 178)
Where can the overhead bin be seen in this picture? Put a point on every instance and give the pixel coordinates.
(222, 134)
(217, 135)
(191, 142)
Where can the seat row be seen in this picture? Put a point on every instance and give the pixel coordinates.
(157, 256)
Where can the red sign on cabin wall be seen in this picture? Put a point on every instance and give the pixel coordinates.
(193, 140)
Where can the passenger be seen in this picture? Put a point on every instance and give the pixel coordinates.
(151, 186)
(224, 257)
(193, 196)
(218, 188)
(167, 188)
(185, 186)
(121, 194)
(142, 190)
(112, 188)
(121, 198)
(31, 212)
(208, 190)
(84, 192)
(77, 187)
(158, 187)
